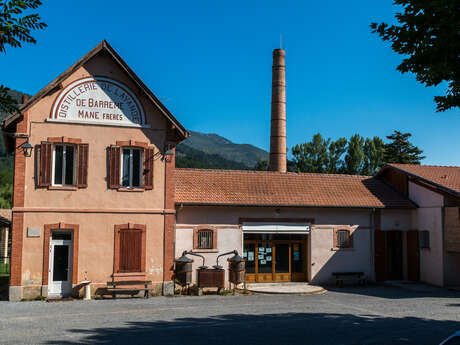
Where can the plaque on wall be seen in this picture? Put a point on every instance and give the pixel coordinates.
(33, 232)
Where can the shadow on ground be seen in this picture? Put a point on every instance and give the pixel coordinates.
(290, 328)
(390, 292)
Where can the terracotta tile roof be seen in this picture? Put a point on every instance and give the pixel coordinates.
(447, 177)
(262, 188)
(5, 215)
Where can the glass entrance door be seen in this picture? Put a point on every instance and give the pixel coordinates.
(282, 262)
(60, 264)
(279, 259)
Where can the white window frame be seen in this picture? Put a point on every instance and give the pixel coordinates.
(64, 150)
(141, 167)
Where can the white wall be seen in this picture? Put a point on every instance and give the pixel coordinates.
(324, 260)
(429, 217)
(228, 239)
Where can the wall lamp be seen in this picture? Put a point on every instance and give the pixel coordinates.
(166, 155)
(27, 148)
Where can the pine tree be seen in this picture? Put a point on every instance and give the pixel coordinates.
(400, 150)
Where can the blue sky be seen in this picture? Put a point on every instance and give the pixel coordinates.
(210, 64)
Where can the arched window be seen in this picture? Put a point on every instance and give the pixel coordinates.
(343, 239)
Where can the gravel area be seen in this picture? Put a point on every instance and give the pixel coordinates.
(370, 315)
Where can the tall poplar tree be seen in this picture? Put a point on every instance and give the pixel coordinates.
(354, 157)
(374, 150)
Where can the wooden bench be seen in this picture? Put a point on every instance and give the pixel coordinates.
(340, 277)
(130, 287)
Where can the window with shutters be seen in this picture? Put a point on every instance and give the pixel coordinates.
(130, 166)
(343, 239)
(62, 162)
(129, 248)
(64, 165)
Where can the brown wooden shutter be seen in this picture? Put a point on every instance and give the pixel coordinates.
(45, 164)
(130, 250)
(114, 167)
(148, 168)
(82, 173)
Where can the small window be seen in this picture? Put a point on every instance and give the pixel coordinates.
(343, 239)
(64, 165)
(424, 239)
(205, 239)
(131, 169)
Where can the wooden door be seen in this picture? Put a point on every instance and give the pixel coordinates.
(394, 255)
(130, 251)
(413, 261)
(282, 261)
(380, 255)
(264, 267)
(299, 261)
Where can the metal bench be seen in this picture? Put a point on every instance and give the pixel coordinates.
(340, 277)
(130, 287)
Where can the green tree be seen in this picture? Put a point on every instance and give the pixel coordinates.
(374, 150)
(429, 39)
(312, 156)
(354, 158)
(337, 149)
(401, 150)
(261, 165)
(15, 28)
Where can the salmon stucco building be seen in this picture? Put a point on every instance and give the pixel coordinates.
(98, 183)
(97, 198)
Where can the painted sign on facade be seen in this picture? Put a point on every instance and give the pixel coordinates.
(100, 101)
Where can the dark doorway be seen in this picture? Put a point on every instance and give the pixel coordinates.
(413, 261)
(394, 255)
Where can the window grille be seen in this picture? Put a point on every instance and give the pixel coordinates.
(424, 239)
(205, 239)
(343, 239)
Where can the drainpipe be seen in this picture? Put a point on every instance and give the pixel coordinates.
(372, 244)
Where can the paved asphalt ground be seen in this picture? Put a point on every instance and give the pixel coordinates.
(371, 315)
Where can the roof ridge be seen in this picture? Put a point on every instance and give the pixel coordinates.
(289, 173)
(424, 165)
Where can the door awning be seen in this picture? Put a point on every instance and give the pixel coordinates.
(276, 228)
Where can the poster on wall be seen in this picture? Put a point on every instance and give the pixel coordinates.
(261, 256)
(269, 250)
(263, 262)
(269, 258)
(261, 249)
(250, 256)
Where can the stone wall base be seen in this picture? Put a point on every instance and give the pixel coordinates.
(168, 288)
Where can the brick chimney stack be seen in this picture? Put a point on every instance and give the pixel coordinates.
(278, 116)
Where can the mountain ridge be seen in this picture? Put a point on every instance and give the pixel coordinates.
(201, 150)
